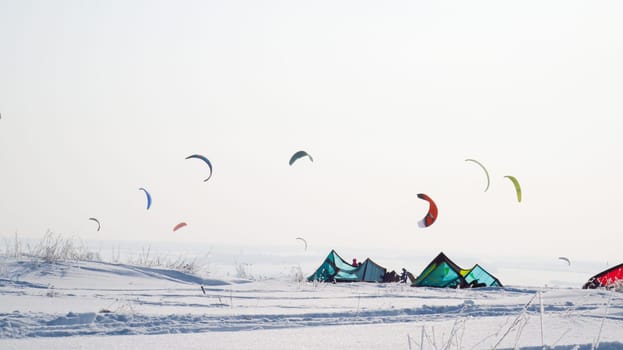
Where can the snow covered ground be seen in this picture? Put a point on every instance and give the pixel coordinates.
(84, 304)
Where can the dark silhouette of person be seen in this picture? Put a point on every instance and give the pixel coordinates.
(404, 275)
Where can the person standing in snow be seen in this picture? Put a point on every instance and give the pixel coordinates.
(404, 275)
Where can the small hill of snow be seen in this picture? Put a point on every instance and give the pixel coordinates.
(95, 275)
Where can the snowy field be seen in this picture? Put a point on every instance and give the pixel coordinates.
(73, 304)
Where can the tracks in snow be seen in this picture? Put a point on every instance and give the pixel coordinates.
(24, 325)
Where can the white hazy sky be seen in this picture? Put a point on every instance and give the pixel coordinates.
(99, 98)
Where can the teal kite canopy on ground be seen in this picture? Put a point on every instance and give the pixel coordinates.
(336, 269)
(444, 273)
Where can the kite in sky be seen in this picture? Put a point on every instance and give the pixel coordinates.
(431, 216)
(148, 196)
(98, 223)
(206, 160)
(565, 259)
(300, 154)
(179, 226)
(304, 241)
(517, 186)
(483, 168)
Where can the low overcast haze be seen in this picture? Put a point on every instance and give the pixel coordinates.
(99, 98)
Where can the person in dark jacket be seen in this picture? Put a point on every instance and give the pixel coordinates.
(404, 275)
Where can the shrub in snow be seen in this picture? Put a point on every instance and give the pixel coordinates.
(51, 248)
(297, 274)
(241, 271)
